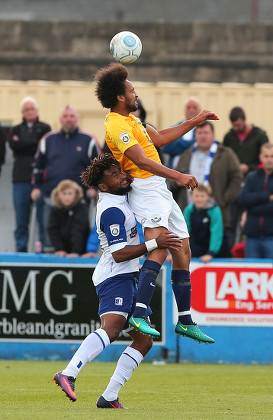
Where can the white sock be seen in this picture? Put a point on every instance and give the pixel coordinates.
(91, 346)
(127, 363)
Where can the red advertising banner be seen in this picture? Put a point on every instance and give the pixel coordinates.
(232, 294)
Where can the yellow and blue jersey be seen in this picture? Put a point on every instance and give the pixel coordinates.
(121, 133)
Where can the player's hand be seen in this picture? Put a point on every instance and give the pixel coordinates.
(205, 115)
(169, 240)
(189, 181)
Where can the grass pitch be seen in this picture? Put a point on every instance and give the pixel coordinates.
(166, 392)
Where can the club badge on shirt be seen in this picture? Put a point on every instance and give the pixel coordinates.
(124, 137)
(114, 229)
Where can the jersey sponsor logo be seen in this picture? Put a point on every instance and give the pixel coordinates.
(133, 232)
(118, 301)
(155, 218)
(114, 229)
(124, 137)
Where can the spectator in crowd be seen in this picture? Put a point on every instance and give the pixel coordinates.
(23, 140)
(245, 140)
(205, 224)
(68, 224)
(2, 148)
(257, 197)
(92, 245)
(214, 164)
(62, 154)
(192, 107)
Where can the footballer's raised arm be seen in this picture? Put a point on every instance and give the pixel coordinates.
(166, 136)
(137, 155)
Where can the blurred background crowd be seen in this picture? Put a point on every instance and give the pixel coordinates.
(231, 213)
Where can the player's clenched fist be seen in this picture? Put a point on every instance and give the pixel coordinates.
(205, 115)
(189, 181)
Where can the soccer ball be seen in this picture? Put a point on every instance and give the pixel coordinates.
(125, 47)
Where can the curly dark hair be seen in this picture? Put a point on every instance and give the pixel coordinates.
(93, 174)
(110, 83)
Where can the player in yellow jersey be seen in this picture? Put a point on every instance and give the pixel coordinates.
(133, 145)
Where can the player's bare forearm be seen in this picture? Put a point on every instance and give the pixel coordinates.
(137, 155)
(168, 135)
(165, 239)
(129, 252)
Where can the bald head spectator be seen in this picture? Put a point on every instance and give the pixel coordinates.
(23, 140)
(62, 154)
(173, 150)
(245, 140)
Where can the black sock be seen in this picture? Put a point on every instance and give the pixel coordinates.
(146, 287)
(181, 285)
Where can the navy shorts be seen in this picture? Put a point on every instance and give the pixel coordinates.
(118, 294)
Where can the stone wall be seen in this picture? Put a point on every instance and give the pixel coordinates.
(180, 52)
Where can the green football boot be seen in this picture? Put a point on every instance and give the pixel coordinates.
(142, 325)
(192, 331)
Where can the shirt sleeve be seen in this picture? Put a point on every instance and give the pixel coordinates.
(112, 224)
(122, 136)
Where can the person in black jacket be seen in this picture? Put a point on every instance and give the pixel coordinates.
(245, 140)
(68, 225)
(23, 140)
(256, 196)
(62, 154)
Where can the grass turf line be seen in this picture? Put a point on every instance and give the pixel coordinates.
(184, 391)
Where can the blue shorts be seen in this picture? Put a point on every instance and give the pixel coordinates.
(118, 294)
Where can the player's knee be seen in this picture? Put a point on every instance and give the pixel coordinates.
(158, 255)
(183, 252)
(113, 334)
(143, 344)
(147, 345)
(187, 251)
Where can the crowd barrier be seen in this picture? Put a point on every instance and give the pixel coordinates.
(48, 305)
